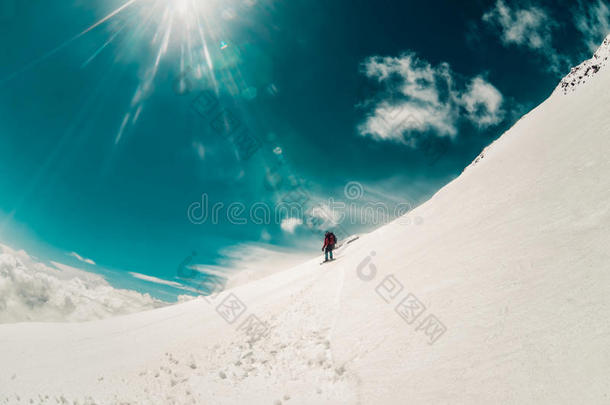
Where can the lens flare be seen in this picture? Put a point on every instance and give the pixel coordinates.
(190, 34)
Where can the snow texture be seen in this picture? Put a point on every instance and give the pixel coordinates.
(499, 296)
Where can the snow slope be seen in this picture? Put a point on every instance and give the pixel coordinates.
(512, 258)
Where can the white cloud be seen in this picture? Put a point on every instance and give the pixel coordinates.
(185, 298)
(417, 77)
(593, 21)
(530, 27)
(68, 272)
(290, 224)
(80, 258)
(156, 280)
(391, 121)
(245, 263)
(483, 103)
(419, 97)
(33, 291)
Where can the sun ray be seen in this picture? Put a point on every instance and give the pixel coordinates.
(206, 53)
(63, 45)
(108, 17)
(122, 128)
(101, 48)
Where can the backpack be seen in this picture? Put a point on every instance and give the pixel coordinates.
(332, 239)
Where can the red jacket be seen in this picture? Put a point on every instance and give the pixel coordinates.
(329, 240)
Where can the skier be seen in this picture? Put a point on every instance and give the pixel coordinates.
(329, 244)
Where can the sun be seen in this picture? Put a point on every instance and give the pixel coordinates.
(180, 6)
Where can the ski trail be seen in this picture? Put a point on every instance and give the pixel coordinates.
(337, 301)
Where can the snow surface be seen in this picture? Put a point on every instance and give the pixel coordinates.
(512, 259)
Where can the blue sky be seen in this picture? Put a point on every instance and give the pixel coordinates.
(118, 118)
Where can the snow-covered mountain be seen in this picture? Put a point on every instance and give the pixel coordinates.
(587, 69)
(500, 296)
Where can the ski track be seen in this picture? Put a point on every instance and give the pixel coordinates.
(298, 360)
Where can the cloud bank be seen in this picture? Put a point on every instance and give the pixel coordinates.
(33, 291)
(417, 97)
